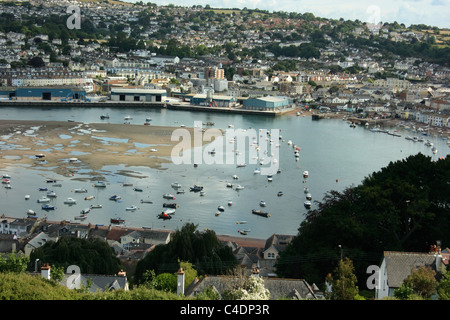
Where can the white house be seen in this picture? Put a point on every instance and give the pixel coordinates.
(396, 266)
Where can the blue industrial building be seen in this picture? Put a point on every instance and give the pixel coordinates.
(44, 94)
(269, 103)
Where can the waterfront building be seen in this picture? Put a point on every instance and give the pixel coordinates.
(138, 95)
(267, 103)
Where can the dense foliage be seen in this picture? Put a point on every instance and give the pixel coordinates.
(202, 249)
(91, 255)
(404, 207)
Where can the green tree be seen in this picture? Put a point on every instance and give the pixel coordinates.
(343, 282)
(444, 287)
(13, 262)
(422, 280)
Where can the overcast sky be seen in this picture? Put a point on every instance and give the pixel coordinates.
(429, 12)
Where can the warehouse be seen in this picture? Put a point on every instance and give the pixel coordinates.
(267, 103)
(47, 94)
(211, 100)
(138, 95)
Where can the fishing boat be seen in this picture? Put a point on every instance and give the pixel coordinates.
(169, 205)
(85, 211)
(132, 208)
(115, 197)
(96, 206)
(180, 191)
(70, 201)
(229, 185)
(43, 200)
(80, 190)
(305, 174)
(308, 196)
(89, 198)
(306, 190)
(164, 216)
(117, 220)
(280, 193)
(48, 207)
(221, 208)
(307, 204)
(262, 203)
(260, 213)
(31, 213)
(27, 197)
(168, 196)
(196, 188)
(239, 187)
(217, 213)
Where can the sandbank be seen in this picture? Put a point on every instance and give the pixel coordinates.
(69, 146)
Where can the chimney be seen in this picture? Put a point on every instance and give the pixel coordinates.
(180, 282)
(45, 271)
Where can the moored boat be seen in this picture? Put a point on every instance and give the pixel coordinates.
(117, 220)
(196, 188)
(70, 201)
(81, 217)
(81, 190)
(260, 213)
(115, 197)
(305, 174)
(132, 208)
(85, 211)
(169, 205)
(48, 207)
(168, 196)
(43, 200)
(307, 204)
(96, 206)
(164, 216)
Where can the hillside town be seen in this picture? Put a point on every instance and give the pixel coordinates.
(233, 54)
(224, 58)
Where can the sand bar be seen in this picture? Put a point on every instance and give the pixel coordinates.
(93, 145)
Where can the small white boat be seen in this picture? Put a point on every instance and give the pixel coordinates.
(307, 204)
(169, 211)
(84, 211)
(31, 212)
(70, 201)
(262, 203)
(89, 198)
(115, 197)
(239, 187)
(80, 190)
(221, 208)
(230, 203)
(40, 155)
(153, 150)
(229, 185)
(305, 174)
(96, 206)
(51, 194)
(148, 119)
(27, 197)
(256, 171)
(176, 185)
(43, 200)
(132, 208)
(308, 196)
(235, 177)
(81, 217)
(128, 117)
(269, 178)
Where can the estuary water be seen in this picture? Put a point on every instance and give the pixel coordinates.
(335, 155)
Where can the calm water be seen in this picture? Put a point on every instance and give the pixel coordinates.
(335, 155)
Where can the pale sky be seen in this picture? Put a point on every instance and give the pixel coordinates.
(428, 12)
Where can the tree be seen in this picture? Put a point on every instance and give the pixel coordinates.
(343, 282)
(253, 289)
(422, 280)
(36, 62)
(13, 262)
(444, 287)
